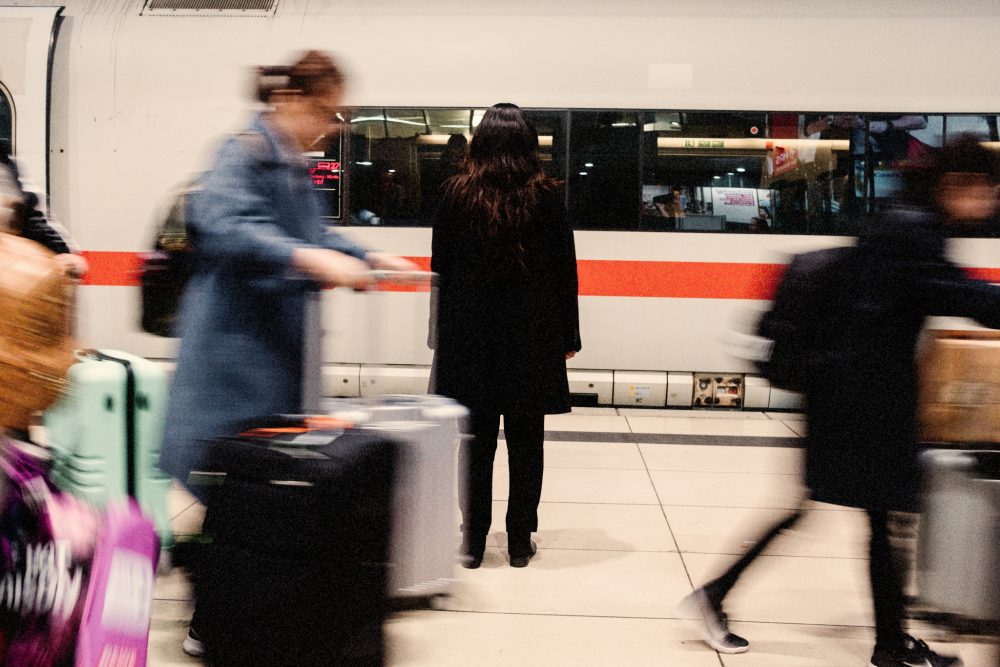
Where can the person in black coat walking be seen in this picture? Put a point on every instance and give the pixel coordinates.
(865, 313)
(507, 318)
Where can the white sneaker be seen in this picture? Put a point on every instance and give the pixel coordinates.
(714, 626)
(193, 645)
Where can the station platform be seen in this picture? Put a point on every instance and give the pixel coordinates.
(639, 506)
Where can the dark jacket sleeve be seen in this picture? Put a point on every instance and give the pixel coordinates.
(441, 249)
(33, 225)
(949, 291)
(36, 228)
(441, 244)
(564, 261)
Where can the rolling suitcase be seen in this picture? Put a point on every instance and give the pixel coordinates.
(958, 555)
(423, 537)
(429, 428)
(105, 433)
(296, 573)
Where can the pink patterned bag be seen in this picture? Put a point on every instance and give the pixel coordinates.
(115, 625)
(72, 588)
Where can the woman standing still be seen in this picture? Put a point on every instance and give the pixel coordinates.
(508, 318)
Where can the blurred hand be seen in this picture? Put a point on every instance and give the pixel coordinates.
(387, 262)
(570, 355)
(331, 268)
(73, 265)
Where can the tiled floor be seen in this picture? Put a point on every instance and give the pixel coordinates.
(627, 527)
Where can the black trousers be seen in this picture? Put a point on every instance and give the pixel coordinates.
(887, 570)
(525, 434)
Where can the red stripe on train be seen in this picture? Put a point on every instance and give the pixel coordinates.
(678, 280)
(598, 277)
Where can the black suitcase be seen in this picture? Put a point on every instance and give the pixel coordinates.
(296, 574)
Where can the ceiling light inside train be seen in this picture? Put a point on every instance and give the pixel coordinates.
(388, 119)
(716, 178)
(583, 173)
(588, 165)
(741, 169)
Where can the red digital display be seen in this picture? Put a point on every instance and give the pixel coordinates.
(325, 177)
(325, 173)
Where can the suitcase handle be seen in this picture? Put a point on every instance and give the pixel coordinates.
(131, 456)
(405, 277)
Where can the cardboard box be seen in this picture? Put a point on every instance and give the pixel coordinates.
(960, 387)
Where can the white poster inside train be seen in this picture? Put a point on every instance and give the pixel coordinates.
(737, 204)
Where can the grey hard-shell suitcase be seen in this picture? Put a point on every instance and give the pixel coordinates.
(958, 554)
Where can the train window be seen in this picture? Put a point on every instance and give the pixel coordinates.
(400, 158)
(983, 128)
(385, 177)
(705, 171)
(551, 126)
(6, 120)
(604, 172)
(663, 170)
(809, 173)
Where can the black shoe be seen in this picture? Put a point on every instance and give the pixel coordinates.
(520, 558)
(472, 552)
(715, 626)
(914, 653)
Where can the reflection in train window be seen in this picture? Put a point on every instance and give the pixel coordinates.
(400, 158)
(983, 128)
(705, 172)
(6, 120)
(551, 127)
(604, 184)
(665, 170)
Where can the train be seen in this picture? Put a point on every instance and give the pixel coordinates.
(681, 128)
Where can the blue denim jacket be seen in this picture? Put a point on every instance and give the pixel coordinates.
(242, 318)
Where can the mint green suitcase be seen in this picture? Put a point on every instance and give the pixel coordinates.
(106, 431)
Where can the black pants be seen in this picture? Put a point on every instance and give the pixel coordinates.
(886, 568)
(525, 434)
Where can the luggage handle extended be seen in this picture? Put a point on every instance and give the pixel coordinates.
(378, 276)
(409, 278)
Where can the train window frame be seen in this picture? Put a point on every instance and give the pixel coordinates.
(836, 209)
(9, 132)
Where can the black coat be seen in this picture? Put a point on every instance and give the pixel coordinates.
(862, 443)
(502, 336)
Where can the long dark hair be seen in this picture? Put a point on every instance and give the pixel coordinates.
(500, 182)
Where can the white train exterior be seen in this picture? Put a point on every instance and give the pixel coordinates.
(137, 98)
